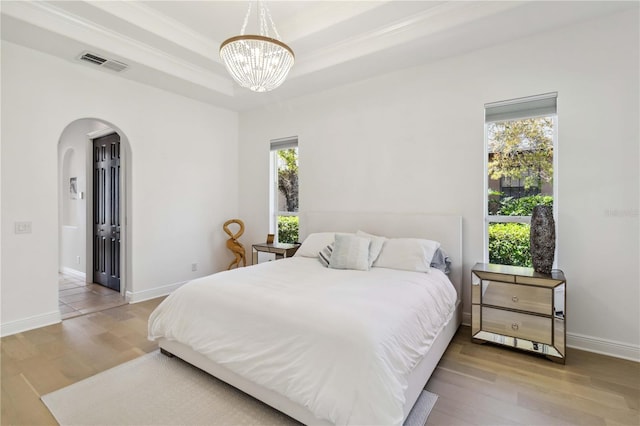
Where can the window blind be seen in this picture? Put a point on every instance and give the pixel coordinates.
(531, 106)
(284, 143)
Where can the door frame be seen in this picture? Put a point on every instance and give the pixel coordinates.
(123, 205)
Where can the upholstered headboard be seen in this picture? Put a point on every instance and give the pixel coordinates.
(443, 228)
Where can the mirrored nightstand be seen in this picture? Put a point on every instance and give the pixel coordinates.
(281, 250)
(520, 308)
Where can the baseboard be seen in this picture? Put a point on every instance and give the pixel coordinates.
(37, 321)
(141, 296)
(591, 344)
(466, 319)
(73, 272)
(604, 346)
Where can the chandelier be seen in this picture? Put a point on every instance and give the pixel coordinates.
(257, 62)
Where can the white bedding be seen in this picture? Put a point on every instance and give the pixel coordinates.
(339, 342)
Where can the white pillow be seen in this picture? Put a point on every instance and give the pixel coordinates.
(376, 245)
(314, 243)
(350, 252)
(407, 254)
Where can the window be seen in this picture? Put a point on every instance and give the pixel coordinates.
(520, 142)
(284, 190)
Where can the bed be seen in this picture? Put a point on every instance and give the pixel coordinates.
(324, 346)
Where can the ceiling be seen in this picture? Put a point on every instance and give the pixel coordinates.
(174, 45)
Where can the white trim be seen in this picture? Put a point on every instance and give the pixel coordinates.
(37, 321)
(103, 39)
(603, 346)
(522, 100)
(73, 272)
(494, 218)
(466, 319)
(141, 296)
(528, 107)
(100, 133)
(273, 191)
(556, 195)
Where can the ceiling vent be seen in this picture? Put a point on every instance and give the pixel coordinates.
(111, 64)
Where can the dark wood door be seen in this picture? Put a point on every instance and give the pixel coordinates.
(106, 211)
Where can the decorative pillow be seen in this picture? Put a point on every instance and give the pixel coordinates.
(314, 243)
(325, 255)
(441, 261)
(376, 245)
(350, 252)
(407, 254)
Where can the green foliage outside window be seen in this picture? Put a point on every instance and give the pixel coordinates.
(522, 149)
(509, 244)
(523, 206)
(288, 229)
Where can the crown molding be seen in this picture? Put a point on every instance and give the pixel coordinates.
(161, 26)
(434, 20)
(118, 46)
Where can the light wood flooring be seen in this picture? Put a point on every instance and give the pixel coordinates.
(477, 384)
(76, 297)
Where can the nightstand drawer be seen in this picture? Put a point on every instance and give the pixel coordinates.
(530, 327)
(520, 297)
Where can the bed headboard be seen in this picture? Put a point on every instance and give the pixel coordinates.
(443, 228)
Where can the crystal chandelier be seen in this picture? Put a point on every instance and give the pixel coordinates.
(257, 62)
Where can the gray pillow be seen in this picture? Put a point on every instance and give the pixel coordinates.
(350, 252)
(441, 261)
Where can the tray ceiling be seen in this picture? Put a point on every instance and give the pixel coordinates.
(174, 45)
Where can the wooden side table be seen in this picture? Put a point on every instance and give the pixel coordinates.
(520, 308)
(281, 250)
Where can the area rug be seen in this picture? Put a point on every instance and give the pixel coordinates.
(157, 390)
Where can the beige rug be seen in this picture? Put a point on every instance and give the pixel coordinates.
(157, 390)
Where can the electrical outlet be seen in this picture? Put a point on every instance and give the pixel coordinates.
(22, 227)
(194, 267)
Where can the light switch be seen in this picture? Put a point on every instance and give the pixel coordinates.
(23, 227)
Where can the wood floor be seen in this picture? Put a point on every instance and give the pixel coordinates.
(477, 384)
(40, 361)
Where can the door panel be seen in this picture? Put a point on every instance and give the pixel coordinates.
(106, 211)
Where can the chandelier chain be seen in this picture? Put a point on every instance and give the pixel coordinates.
(264, 29)
(262, 14)
(273, 25)
(246, 19)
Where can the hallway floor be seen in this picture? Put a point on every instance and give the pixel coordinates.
(75, 297)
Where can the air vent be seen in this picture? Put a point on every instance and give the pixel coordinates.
(111, 64)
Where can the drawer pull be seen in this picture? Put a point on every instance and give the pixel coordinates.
(515, 326)
(514, 299)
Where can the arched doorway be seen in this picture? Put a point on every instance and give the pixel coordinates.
(80, 290)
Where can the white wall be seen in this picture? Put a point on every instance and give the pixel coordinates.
(183, 153)
(412, 141)
(72, 159)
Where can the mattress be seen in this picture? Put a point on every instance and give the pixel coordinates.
(341, 343)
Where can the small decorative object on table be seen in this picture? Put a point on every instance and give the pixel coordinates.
(234, 245)
(542, 239)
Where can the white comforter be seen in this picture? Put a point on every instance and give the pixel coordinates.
(339, 342)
